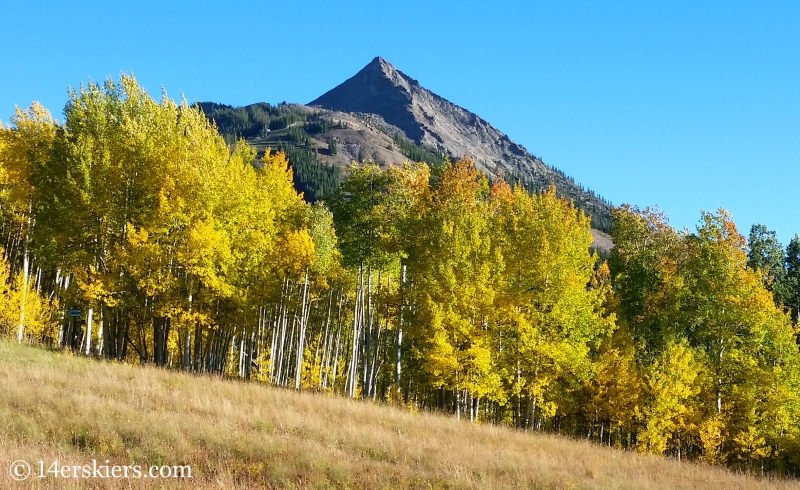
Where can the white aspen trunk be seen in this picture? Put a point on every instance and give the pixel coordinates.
(89, 331)
(347, 381)
(241, 358)
(380, 343)
(187, 341)
(335, 352)
(719, 380)
(259, 340)
(281, 350)
(281, 344)
(379, 353)
(277, 321)
(325, 341)
(100, 333)
(376, 364)
(57, 285)
(284, 323)
(242, 352)
(359, 341)
(287, 352)
(531, 412)
(368, 349)
(519, 398)
(353, 372)
(251, 354)
(25, 267)
(398, 349)
(65, 285)
(272, 353)
(302, 340)
(332, 363)
(289, 349)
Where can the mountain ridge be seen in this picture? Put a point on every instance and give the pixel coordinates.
(430, 120)
(384, 116)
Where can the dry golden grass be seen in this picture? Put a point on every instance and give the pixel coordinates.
(236, 435)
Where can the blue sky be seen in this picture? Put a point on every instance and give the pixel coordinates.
(685, 105)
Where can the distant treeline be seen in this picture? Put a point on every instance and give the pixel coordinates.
(259, 120)
(416, 153)
(292, 129)
(315, 179)
(253, 120)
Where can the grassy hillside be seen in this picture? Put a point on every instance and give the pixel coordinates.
(235, 435)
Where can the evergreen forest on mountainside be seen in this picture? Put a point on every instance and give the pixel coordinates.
(293, 129)
(134, 231)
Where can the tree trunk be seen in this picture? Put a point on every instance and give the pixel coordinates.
(100, 338)
(368, 337)
(25, 267)
(335, 352)
(187, 336)
(353, 371)
(89, 331)
(398, 354)
(302, 341)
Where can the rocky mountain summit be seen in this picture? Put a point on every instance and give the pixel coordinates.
(425, 118)
(433, 122)
(382, 115)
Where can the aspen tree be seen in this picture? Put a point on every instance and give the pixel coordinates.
(452, 267)
(550, 320)
(27, 145)
(673, 383)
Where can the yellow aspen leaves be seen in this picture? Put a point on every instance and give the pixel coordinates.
(433, 287)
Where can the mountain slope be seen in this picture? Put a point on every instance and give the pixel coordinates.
(384, 116)
(432, 121)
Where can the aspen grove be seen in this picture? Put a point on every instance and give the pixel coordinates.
(131, 231)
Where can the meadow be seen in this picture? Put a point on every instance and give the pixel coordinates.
(233, 434)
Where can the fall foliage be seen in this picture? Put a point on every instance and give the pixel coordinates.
(132, 231)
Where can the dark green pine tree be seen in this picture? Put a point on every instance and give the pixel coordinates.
(791, 283)
(766, 254)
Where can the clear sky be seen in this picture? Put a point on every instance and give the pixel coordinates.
(685, 105)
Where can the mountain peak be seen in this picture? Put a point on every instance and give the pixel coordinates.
(380, 64)
(379, 61)
(379, 68)
(426, 118)
(432, 121)
(378, 88)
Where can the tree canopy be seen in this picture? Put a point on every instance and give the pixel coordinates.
(134, 231)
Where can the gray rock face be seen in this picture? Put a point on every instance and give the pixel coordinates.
(430, 120)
